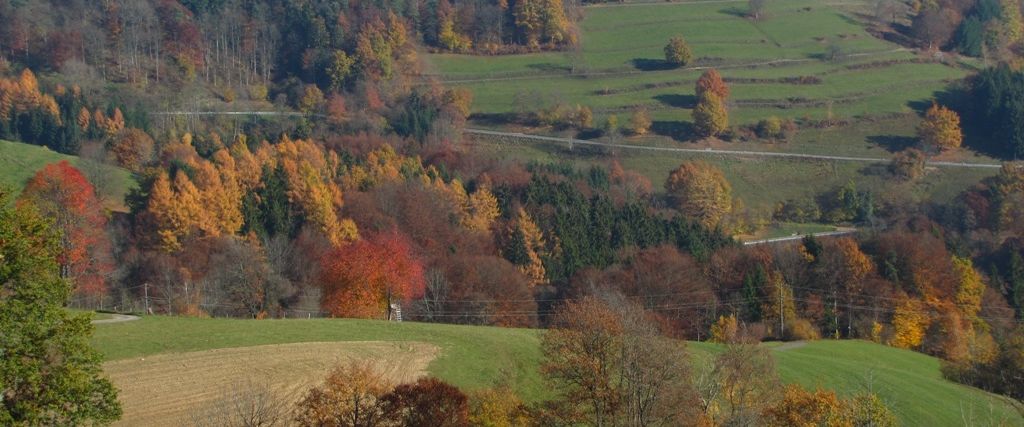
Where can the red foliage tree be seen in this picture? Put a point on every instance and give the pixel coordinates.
(429, 402)
(62, 193)
(359, 278)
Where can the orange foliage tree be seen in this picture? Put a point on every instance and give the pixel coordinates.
(63, 194)
(711, 82)
(359, 278)
(23, 95)
(940, 129)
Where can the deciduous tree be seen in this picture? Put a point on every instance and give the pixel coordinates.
(48, 373)
(63, 194)
(429, 402)
(360, 278)
(677, 52)
(711, 81)
(801, 408)
(350, 396)
(611, 367)
(640, 122)
(131, 149)
(908, 164)
(700, 191)
(710, 116)
(940, 129)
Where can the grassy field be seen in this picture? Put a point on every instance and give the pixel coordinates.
(760, 183)
(471, 357)
(19, 162)
(875, 87)
(620, 63)
(474, 357)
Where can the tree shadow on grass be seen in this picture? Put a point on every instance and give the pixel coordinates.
(494, 119)
(893, 143)
(676, 100)
(647, 64)
(549, 67)
(734, 11)
(677, 130)
(876, 169)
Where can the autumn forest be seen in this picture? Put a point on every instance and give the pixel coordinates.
(305, 159)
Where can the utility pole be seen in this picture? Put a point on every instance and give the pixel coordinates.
(782, 313)
(835, 312)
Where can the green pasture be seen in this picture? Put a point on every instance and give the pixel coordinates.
(473, 357)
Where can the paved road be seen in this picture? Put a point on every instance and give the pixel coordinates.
(841, 232)
(117, 318)
(748, 153)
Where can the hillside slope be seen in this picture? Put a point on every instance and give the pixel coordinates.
(474, 357)
(19, 162)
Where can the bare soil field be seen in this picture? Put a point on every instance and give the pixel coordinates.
(185, 388)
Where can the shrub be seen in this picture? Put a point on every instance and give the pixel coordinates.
(497, 407)
(640, 122)
(802, 329)
(798, 210)
(908, 164)
(351, 395)
(769, 128)
(677, 52)
(429, 402)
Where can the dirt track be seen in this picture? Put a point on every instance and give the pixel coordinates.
(177, 389)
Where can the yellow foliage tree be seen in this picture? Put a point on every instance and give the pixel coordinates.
(497, 407)
(481, 210)
(801, 408)
(710, 117)
(909, 324)
(640, 122)
(940, 129)
(970, 287)
(175, 208)
(725, 330)
(23, 94)
(84, 117)
(701, 192)
(533, 243)
(452, 40)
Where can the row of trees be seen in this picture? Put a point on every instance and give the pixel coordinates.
(610, 365)
(498, 27)
(973, 27)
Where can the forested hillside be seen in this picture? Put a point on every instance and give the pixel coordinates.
(296, 158)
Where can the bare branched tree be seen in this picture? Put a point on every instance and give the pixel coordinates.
(246, 404)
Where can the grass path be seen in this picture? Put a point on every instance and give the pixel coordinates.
(571, 141)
